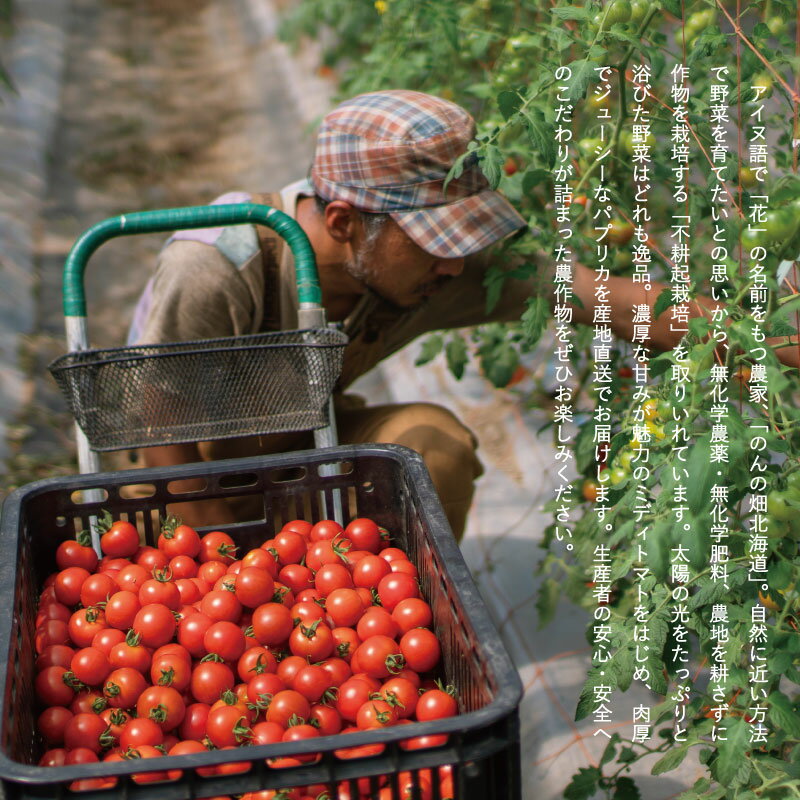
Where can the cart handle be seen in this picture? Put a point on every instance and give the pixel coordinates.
(171, 219)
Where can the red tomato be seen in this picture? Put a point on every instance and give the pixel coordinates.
(151, 558)
(162, 704)
(89, 701)
(84, 730)
(130, 578)
(290, 547)
(307, 612)
(396, 587)
(328, 719)
(287, 704)
(121, 609)
(353, 693)
(115, 719)
(313, 642)
(217, 546)
(364, 534)
(160, 590)
(52, 722)
(413, 612)
(192, 631)
(140, 730)
(272, 624)
(261, 688)
(346, 641)
(225, 639)
(123, 687)
(53, 758)
(80, 755)
(131, 654)
(68, 583)
(344, 606)
(255, 661)
(325, 530)
(326, 552)
(171, 670)
(221, 605)
(409, 787)
(297, 577)
(178, 540)
(393, 554)
(435, 704)
(51, 633)
(402, 694)
(376, 621)
(121, 540)
(300, 526)
(193, 725)
(209, 680)
(53, 610)
(85, 624)
(106, 639)
(148, 751)
(376, 714)
(188, 590)
(72, 553)
(55, 655)
(90, 666)
(312, 681)
(420, 649)
(155, 623)
(183, 567)
(404, 566)
(227, 726)
(266, 733)
(212, 571)
(254, 587)
(338, 670)
(332, 576)
(368, 572)
(379, 656)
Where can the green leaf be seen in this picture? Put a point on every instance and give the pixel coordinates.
(626, 789)
(571, 12)
(509, 102)
(547, 601)
(499, 362)
(711, 592)
(491, 161)
(702, 474)
(457, 356)
(663, 302)
(670, 761)
(541, 135)
(533, 178)
(732, 767)
(586, 701)
(583, 784)
(782, 714)
(582, 74)
(534, 319)
(610, 751)
(431, 348)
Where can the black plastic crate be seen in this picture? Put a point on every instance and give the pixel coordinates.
(385, 482)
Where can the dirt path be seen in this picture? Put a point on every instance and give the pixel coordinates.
(163, 105)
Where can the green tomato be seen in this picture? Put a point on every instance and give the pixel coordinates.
(752, 238)
(793, 484)
(639, 9)
(775, 529)
(618, 12)
(747, 177)
(776, 25)
(618, 475)
(779, 224)
(763, 79)
(591, 147)
(696, 23)
(624, 459)
(778, 507)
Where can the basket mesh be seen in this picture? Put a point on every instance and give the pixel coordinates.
(148, 395)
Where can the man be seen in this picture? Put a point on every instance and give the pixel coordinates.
(397, 256)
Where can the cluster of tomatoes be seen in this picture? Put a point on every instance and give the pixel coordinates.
(187, 647)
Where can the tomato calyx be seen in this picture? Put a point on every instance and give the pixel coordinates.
(395, 663)
(262, 703)
(107, 738)
(99, 704)
(229, 698)
(162, 575)
(158, 713)
(70, 680)
(169, 526)
(391, 698)
(310, 631)
(212, 657)
(447, 689)
(84, 538)
(341, 547)
(167, 677)
(280, 593)
(294, 721)
(105, 522)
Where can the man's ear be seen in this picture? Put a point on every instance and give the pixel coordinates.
(341, 221)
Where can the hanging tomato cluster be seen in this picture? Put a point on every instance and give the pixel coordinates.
(185, 647)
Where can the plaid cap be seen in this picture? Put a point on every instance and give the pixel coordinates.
(390, 152)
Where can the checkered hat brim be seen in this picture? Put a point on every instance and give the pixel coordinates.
(390, 152)
(461, 228)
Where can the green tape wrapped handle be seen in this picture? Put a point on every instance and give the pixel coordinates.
(172, 219)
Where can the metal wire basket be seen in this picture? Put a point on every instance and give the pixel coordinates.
(161, 394)
(140, 396)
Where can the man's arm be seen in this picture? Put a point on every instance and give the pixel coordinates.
(624, 295)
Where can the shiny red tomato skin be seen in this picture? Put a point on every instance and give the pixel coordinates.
(121, 540)
(364, 534)
(71, 553)
(209, 680)
(155, 623)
